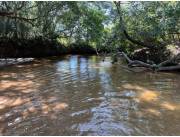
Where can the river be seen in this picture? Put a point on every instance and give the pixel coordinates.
(83, 95)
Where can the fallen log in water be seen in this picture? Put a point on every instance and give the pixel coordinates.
(163, 66)
(13, 61)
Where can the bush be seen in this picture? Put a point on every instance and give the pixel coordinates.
(37, 47)
(81, 48)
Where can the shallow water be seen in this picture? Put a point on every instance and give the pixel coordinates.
(80, 95)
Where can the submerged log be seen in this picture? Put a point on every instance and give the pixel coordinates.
(14, 61)
(169, 68)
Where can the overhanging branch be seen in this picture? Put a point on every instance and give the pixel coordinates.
(12, 16)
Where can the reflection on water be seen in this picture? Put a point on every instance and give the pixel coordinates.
(78, 95)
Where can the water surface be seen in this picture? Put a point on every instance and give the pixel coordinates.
(80, 95)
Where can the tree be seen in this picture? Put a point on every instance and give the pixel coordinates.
(155, 42)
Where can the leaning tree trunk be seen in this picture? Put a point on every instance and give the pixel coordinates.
(163, 66)
(125, 32)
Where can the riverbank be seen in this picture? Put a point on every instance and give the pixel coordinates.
(40, 47)
(18, 51)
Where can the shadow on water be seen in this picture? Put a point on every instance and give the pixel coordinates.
(81, 95)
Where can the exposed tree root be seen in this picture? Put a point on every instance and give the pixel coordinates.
(163, 66)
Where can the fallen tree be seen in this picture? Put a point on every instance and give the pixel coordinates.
(14, 61)
(172, 64)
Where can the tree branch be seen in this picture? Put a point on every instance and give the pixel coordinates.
(159, 67)
(12, 16)
(136, 41)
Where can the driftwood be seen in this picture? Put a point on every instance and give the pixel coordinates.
(14, 61)
(163, 66)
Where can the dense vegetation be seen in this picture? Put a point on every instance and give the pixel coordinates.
(145, 31)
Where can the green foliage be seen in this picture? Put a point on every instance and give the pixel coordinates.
(153, 21)
(93, 23)
(81, 48)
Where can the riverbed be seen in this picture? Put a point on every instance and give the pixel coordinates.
(84, 95)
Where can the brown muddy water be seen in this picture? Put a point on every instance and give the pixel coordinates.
(80, 95)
